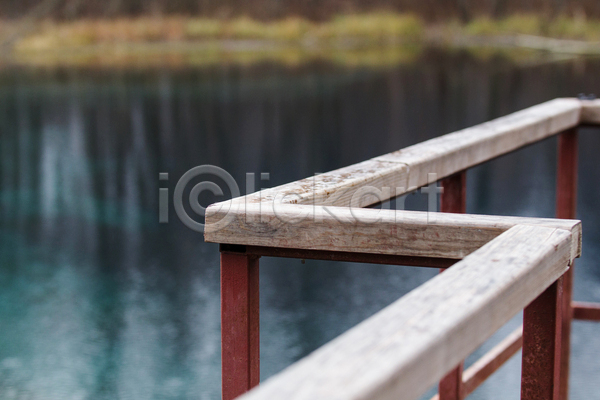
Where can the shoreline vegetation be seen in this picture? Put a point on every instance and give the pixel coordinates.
(370, 39)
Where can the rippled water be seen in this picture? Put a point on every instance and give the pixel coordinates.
(100, 301)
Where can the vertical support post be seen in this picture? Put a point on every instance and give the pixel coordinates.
(454, 197)
(240, 352)
(451, 386)
(540, 371)
(454, 200)
(566, 204)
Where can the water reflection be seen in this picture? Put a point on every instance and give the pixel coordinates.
(97, 300)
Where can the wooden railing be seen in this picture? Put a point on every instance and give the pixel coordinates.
(500, 265)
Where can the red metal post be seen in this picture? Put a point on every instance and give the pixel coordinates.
(451, 386)
(240, 351)
(540, 373)
(454, 196)
(566, 203)
(454, 200)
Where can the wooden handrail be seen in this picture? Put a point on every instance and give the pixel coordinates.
(590, 112)
(407, 233)
(415, 166)
(506, 262)
(405, 348)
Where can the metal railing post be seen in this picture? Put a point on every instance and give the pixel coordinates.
(453, 200)
(566, 203)
(540, 371)
(454, 196)
(240, 346)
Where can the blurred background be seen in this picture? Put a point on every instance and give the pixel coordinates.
(100, 301)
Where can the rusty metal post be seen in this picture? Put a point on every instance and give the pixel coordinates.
(454, 196)
(566, 203)
(451, 386)
(454, 200)
(540, 372)
(240, 351)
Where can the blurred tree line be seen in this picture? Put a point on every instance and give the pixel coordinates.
(432, 10)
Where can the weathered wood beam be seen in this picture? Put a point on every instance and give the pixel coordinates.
(365, 230)
(590, 112)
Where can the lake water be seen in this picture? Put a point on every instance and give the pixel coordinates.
(100, 301)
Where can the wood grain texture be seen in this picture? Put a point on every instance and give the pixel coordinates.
(590, 112)
(339, 187)
(408, 233)
(407, 347)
